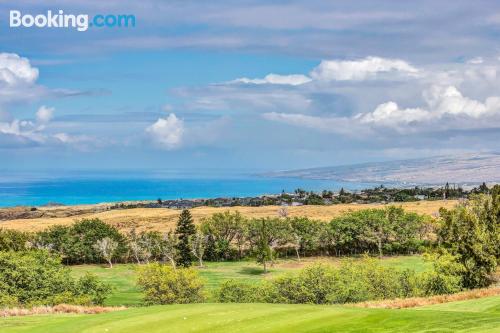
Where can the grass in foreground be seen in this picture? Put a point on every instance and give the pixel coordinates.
(125, 292)
(270, 318)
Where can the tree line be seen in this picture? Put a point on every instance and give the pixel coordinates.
(231, 236)
(463, 245)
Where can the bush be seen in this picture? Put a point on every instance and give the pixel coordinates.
(13, 240)
(90, 286)
(323, 284)
(232, 291)
(367, 280)
(445, 278)
(37, 278)
(8, 301)
(164, 284)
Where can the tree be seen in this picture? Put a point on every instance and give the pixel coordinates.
(107, 248)
(470, 232)
(223, 229)
(376, 227)
(305, 234)
(261, 236)
(136, 246)
(76, 242)
(185, 230)
(198, 244)
(168, 248)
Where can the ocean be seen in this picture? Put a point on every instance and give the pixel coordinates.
(18, 189)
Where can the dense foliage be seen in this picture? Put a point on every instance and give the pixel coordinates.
(471, 232)
(164, 284)
(77, 243)
(38, 278)
(353, 281)
(184, 231)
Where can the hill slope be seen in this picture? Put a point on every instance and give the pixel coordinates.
(463, 169)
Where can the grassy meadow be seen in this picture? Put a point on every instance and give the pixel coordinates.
(481, 315)
(125, 292)
(164, 219)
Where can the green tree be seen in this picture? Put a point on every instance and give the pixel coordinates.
(260, 235)
(470, 232)
(223, 229)
(305, 234)
(185, 230)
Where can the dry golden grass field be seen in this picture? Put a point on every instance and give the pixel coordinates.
(163, 219)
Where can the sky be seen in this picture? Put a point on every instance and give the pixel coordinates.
(265, 85)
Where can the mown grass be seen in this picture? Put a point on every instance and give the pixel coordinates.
(125, 292)
(268, 318)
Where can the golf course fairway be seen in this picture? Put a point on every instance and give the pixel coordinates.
(482, 315)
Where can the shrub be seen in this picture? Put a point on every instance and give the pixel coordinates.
(445, 278)
(366, 280)
(13, 240)
(323, 284)
(90, 286)
(233, 291)
(37, 278)
(8, 301)
(164, 284)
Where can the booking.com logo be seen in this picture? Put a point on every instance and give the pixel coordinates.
(80, 22)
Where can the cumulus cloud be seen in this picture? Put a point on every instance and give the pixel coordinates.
(18, 80)
(362, 69)
(441, 102)
(19, 133)
(15, 70)
(446, 109)
(341, 70)
(293, 79)
(167, 132)
(44, 114)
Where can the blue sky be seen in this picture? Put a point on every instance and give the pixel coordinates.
(251, 85)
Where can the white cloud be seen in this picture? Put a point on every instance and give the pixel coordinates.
(476, 61)
(167, 132)
(446, 108)
(38, 132)
(441, 102)
(68, 139)
(44, 114)
(293, 79)
(339, 125)
(362, 69)
(340, 70)
(390, 114)
(15, 70)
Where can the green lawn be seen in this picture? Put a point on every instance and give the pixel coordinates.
(122, 277)
(452, 317)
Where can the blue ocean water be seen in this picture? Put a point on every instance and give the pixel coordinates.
(92, 188)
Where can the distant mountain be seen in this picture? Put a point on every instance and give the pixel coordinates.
(463, 169)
